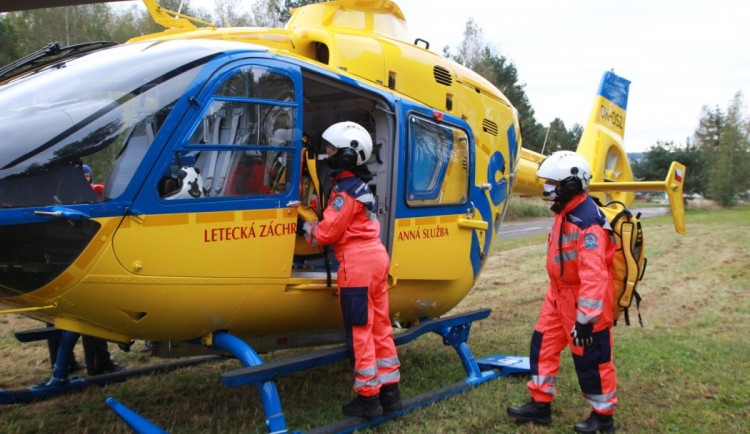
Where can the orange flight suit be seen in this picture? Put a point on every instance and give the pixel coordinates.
(579, 256)
(350, 225)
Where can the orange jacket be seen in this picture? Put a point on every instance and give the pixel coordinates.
(349, 219)
(580, 254)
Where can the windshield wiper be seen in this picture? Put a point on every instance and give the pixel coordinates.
(51, 53)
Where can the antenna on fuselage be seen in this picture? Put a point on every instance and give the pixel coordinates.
(545, 140)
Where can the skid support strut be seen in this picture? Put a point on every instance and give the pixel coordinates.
(269, 396)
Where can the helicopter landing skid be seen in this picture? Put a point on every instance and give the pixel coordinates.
(56, 387)
(454, 330)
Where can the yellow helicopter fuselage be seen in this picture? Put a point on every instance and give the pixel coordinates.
(207, 164)
(159, 273)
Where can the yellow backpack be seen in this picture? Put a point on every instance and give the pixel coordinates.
(629, 261)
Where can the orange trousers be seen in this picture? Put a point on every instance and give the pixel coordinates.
(363, 295)
(594, 365)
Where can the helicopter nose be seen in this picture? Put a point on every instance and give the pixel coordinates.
(34, 254)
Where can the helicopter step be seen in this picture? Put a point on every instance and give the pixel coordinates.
(454, 330)
(39, 334)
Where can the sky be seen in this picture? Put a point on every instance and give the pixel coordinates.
(679, 55)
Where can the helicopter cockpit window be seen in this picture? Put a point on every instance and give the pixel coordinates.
(437, 164)
(258, 84)
(203, 174)
(242, 144)
(96, 115)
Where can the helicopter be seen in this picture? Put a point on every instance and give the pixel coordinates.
(205, 146)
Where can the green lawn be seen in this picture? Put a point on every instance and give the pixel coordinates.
(685, 371)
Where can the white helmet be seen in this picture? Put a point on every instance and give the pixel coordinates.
(563, 165)
(353, 142)
(190, 184)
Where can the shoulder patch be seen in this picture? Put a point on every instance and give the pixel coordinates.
(338, 202)
(590, 242)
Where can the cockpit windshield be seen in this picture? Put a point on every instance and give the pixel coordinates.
(75, 131)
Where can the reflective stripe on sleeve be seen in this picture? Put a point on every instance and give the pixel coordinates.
(590, 304)
(570, 236)
(566, 256)
(585, 319)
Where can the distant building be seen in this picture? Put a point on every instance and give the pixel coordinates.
(636, 157)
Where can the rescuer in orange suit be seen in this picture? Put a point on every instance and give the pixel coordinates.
(350, 225)
(577, 309)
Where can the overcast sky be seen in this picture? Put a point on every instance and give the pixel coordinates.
(679, 55)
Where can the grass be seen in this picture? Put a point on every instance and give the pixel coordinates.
(521, 208)
(685, 371)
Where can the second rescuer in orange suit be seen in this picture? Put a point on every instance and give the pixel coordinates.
(350, 225)
(577, 309)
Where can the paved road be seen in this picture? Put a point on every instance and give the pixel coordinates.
(527, 228)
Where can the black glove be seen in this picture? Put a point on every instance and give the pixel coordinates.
(582, 335)
(300, 227)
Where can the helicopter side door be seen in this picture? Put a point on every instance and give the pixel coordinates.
(435, 223)
(221, 202)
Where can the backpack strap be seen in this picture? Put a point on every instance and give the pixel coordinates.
(632, 273)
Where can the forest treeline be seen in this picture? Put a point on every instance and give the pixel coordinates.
(717, 156)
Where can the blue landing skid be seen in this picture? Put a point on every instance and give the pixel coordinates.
(53, 388)
(62, 383)
(454, 330)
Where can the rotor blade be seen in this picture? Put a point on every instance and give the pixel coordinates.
(22, 5)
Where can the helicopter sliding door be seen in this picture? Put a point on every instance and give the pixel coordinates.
(221, 202)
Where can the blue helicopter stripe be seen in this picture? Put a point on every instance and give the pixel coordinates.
(482, 205)
(513, 151)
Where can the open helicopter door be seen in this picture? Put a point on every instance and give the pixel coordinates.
(220, 203)
(328, 101)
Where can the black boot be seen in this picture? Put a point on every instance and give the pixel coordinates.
(537, 412)
(98, 360)
(364, 406)
(596, 422)
(390, 398)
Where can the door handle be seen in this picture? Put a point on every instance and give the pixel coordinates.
(472, 224)
(65, 213)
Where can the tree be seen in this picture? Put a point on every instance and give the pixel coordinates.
(659, 157)
(504, 75)
(558, 138)
(708, 134)
(24, 32)
(576, 131)
(282, 12)
(728, 177)
(475, 53)
(473, 49)
(9, 37)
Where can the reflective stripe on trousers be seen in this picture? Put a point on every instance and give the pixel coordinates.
(371, 339)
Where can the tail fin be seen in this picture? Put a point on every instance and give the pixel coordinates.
(602, 146)
(602, 140)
